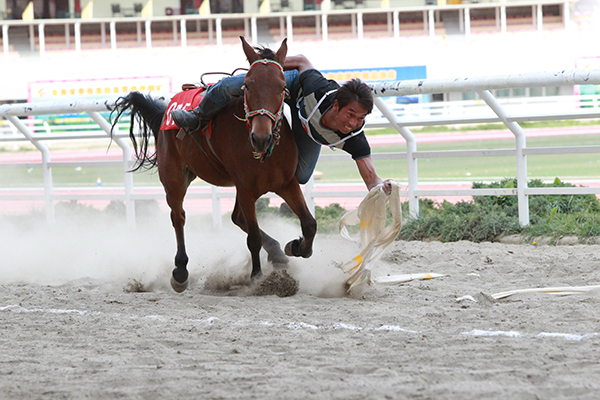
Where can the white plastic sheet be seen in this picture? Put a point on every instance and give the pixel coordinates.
(374, 237)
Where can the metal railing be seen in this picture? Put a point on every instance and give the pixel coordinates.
(481, 85)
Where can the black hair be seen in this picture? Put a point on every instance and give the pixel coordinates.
(355, 90)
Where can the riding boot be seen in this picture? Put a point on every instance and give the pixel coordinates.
(197, 118)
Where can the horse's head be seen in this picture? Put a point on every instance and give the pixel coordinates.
(264, 93)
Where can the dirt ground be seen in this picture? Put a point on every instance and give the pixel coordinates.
(76, 325)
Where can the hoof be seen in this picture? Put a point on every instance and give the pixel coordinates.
(179, 287)
(293, 249)
(256, 276)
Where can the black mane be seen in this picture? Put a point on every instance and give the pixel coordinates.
(265, 52)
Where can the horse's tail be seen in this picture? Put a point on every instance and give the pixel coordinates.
(147, 115)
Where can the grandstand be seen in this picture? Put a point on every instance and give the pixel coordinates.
(516, 35)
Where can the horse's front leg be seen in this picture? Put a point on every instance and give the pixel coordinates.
(244, 216)
(301, 247)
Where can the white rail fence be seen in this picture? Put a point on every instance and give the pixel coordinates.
(214, 23)
(429, 114)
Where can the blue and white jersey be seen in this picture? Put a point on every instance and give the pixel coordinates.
(314, 100)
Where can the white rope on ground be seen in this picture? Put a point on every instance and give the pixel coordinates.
(565, 290)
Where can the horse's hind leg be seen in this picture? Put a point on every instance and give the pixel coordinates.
(175, 189)
(301, 247)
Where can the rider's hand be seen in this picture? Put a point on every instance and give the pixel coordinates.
(387, 186)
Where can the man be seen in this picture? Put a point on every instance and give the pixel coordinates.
(323, 113)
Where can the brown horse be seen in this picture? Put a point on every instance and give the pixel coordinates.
(227, 157)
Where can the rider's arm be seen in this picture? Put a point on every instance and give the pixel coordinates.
(299, 62)
(367, 172)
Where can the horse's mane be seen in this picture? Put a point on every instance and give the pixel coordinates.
(265, 52)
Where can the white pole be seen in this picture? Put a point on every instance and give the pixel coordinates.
(127, 175)
(515, 128)
(359, 25)
(503, 19)
(148, 30)
(5, 39)
(216, 207)
(31, 38)
(253, 30)
(78, 37)
(396, 18)
(183, 30)
(113, 35)
(67, 36)
(173, 28)
(46, 170)
(540, 18)
(42, 40)
(464, 84)
(467, 24)
(411, 148)
(219, 29)
(103, 33)
(325, 27)
(431, 23)
(290, 28)
(138, 29)
(309, 194)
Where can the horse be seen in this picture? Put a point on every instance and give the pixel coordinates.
(255, 153)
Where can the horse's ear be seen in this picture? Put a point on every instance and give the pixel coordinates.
(282, 52)
(251, 55)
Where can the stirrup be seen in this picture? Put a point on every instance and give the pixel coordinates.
(186, 120)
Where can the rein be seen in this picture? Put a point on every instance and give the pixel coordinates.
(277, 118)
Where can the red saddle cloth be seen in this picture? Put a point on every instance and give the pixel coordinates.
(186, 100)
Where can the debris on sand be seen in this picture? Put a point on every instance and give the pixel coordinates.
(279, 283)
(135, 286)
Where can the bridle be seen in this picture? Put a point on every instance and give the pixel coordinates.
(277, 118)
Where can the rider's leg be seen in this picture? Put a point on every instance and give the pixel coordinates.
(308, 149)
(216, 98)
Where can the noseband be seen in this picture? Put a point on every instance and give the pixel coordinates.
(277, 118)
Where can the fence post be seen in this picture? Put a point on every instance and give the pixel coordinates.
(253, 30)
(290, 28)
(42, 37)
(127, 175)
(183, 32)
(148, 30)
(46, 170)
(516, 129)
(309, 194)
(216, 207)
(411, 148)
(113, 35)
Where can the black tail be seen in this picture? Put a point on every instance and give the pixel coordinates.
(147, 114)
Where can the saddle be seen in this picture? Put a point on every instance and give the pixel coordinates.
(187, 99)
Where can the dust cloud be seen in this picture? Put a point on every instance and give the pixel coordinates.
(105, 250)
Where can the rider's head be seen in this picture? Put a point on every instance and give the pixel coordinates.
(355, 90)
(353, 102)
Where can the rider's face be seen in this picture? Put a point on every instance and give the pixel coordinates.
(348, 118)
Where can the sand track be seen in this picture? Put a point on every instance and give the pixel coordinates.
(69, 330)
